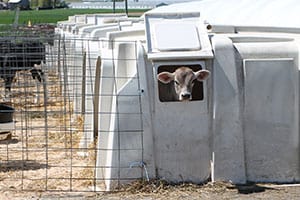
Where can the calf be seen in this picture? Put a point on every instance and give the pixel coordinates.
(19, 56)
(183, 81)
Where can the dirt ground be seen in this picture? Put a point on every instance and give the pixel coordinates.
(42, 153)
(161, 191)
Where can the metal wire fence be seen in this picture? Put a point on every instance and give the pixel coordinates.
(54, 144)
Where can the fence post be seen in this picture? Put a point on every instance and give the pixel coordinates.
(83, 85)
(59, 62)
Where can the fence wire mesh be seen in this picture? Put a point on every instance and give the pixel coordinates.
(54, 143)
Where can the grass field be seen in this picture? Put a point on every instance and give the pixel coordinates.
(51, 16)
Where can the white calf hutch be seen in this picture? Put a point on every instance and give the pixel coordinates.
(243, 123)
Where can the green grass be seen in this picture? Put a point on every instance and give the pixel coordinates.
(52, 16)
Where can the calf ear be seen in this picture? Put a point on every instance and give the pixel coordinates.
(202, 75)
(165, 77)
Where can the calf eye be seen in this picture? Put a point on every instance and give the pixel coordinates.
(176, 82)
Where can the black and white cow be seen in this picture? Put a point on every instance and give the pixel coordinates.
(21, 56)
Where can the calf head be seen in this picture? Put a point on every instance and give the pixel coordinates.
(184, 79)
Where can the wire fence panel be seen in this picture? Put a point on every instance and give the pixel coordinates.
(55, 143)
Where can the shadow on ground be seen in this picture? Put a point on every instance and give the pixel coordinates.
(20, 165)
(250, 188)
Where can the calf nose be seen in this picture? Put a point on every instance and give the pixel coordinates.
(186, 96)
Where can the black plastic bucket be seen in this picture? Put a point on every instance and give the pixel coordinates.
(6, 113)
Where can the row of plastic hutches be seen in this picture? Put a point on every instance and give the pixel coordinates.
(90, 24)
(243, 124)
(88, 34)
